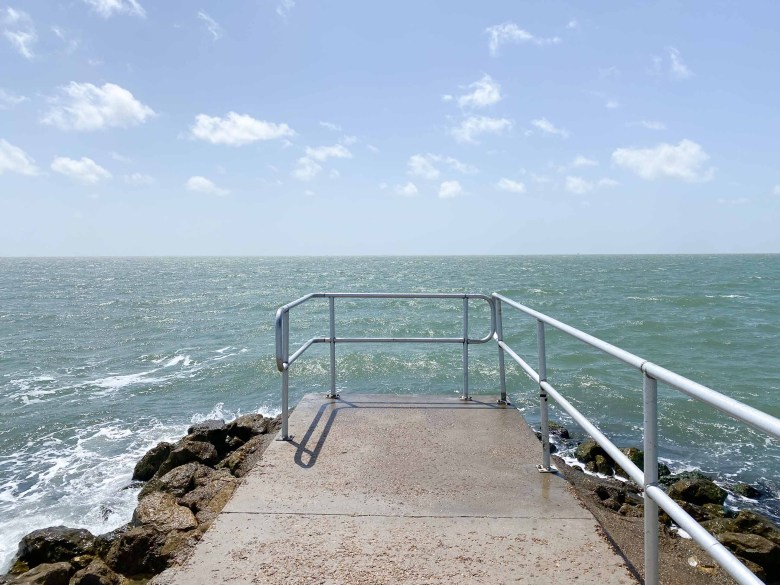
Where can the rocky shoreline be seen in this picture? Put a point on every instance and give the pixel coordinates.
(185, 486)
(619, 507)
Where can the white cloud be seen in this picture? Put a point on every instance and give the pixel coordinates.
(583, 161)
(84, 170)
(372, 148)
(510, 185)
(653, 125)
(548, 127)
(348, 140)
(474, 126)
(9, 100)
(609, 72)
(204, 185)
(408, 190)
(424, 165)
(607, 182)
(572, 24)
(509, 32)
(211, 25)
(447, 97)
(323, 153)
(578, 185)
(450, 189)
(83, 106)
(776, 190)
(331, 126)
(108, 8)
(138, 180)
(677, 69)
(306, 170)
(334, 174)
(284, 7)
(612, 104)
(421, 166)
(120, 157)
(71, 43)
(15, 160)
(486, 92)
(684, 161)
(18, 29)
(237, 129)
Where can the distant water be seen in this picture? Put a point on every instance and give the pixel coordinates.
(102, 358)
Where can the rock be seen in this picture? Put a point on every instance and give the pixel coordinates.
(588, 450)
(208, 499)
(138, 552)
(754, 548)
(247, 426)
(631, 511)
(178, 481)
(600, 464)
(54, 544)
(697, 491)
(96, 573)
(234, 443)
(756, 569)
(669, 479)
(161, 511)
(148, 465)
(635, 456)
(747, 491)
(104, 542)
(558, 430)
(240, 461)
(46, 574)
(187, 451)
(209, 431)
(712, 511)
(663, 471)
(747, 521)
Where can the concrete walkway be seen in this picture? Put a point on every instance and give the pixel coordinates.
(378, 489)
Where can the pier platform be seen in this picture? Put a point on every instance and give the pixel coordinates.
(382, 489)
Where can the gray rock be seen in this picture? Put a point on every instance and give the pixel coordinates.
(187, 451)
(54, 544)
(247, 426)
(748, 491)
(160, 510)
(209, 431)
(754, 548)
(138, 552)
(697, 491)
(148, 465)
(46, 574)
(96, 573)
(587, 451)
(178, 481)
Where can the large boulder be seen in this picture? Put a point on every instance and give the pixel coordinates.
(247, 426)
(138, 552)
(187, 451)
(46, 574)
(240, 461)
(209, 431)
(210, 495)
(558, 430)
(754, 548)
(697, 491)
(96, 573)
(600, 464)
(178, 481)
(588, 450)
(161, 511)
(148, 465)
(54, 544)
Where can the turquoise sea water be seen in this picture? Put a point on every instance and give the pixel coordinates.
(102, 358)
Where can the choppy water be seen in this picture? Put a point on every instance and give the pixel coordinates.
(102, 358)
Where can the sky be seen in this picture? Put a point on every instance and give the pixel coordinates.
(295, 127)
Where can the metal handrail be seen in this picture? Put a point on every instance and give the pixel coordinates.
(282, 326)
(654, 496)
(648, 480)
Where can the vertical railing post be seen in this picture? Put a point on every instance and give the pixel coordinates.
(650, 400)
(545, 423)
(500, 340)
(285, 375)
(332, 308)
(465, 395)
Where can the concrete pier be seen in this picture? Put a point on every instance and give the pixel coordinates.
(379, 489)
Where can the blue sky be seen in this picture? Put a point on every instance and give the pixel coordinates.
(129, 127)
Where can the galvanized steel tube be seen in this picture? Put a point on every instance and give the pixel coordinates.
(465, 348)
(500, 340)
(544, 407)
(650, 411)
(332, 310)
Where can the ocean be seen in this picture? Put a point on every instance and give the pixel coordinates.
(101, 358)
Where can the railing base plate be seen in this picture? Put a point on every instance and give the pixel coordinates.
(543, 469)
(333, 396)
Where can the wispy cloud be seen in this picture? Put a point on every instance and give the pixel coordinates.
(684, 161)
(323, 153)
(407, 190)
(678, 69)
(14, 160)
(306, 169)
(580, 186)
(331, 126)
(509, 32)
(85, 170)
(450, 189)
(510, 185)
(583, 161)
(612, 104)
(485, 92)
(237, 129)
(18, 29)
(284, 7)
(776, 190)
(71, 43)
(572, 24)
(426, 165)
(473, 126)
(211, 25)
(200, 184)
(548, 127)
(138, 179)
(9, 100)
(86, 107)
(108, 8)
(652, 125)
